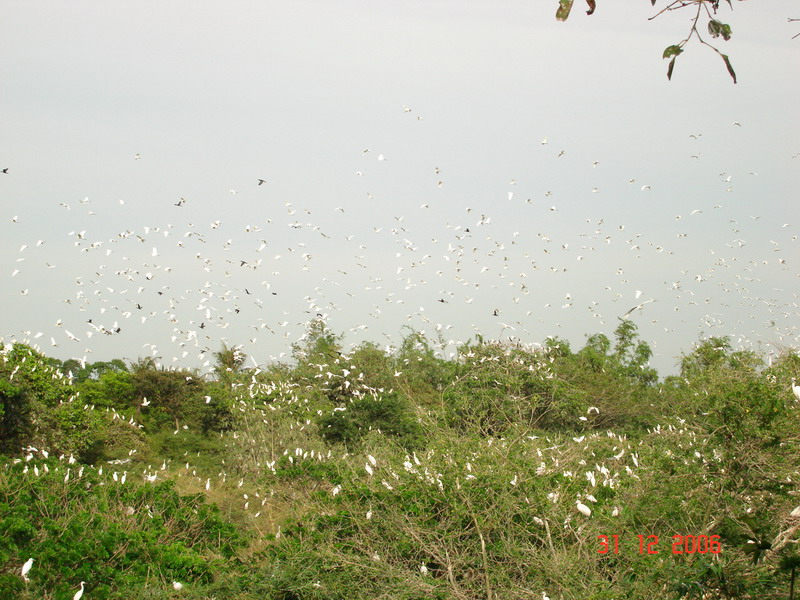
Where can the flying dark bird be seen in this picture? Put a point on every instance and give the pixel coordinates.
(262, 181)
(180, 202)
(5, 170)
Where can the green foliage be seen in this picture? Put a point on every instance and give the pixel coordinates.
(497, 386)
(15, 417)
(423, 375)
(318, 345)
(633, 355)
(94, 370)
(228, 362)
(111, 535)
(168, 391)
(708, 354)
(43, 408)
(205, 451)
(28, 369)
(387, 413)
(376, 474)
(717, 28)
(71, 429)
(728, 390)
(111, 388)
(180, 398)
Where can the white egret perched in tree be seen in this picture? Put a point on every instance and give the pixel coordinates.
(796, 389)
(177, 585)
(26, 568)
(79, 594)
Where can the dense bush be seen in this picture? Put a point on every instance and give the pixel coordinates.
(497, 386)
(389, 414)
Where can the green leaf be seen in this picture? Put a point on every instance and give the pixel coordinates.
(728, 65)
(717, 28)
(592, 6)
(672, 51)
(671, 66)
(564, 6)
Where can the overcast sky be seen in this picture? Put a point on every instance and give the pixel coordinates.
(408, 182)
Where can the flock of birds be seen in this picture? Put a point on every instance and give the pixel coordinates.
(525, 265)
(504, 265)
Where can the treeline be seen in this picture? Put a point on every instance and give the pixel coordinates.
(486, 388)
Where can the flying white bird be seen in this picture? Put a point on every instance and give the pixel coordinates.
(638, 306)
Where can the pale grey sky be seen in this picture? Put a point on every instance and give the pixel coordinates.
(213, 96)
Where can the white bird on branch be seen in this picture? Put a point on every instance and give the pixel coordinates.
(26, 568)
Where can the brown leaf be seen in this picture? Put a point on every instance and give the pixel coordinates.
(728, 65)
(670, 67)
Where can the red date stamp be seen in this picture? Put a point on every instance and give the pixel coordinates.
(649, 544)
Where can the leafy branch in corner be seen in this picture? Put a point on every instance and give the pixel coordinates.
(707, 8)
(715, 29)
